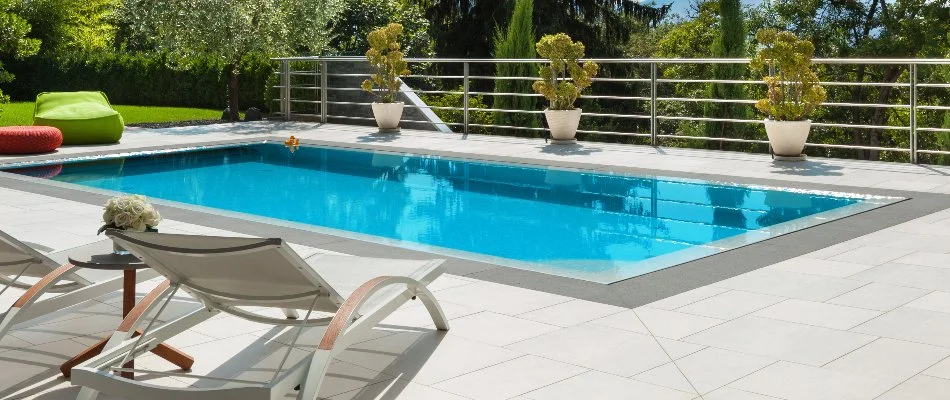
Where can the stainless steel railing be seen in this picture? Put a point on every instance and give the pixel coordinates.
(304, 87)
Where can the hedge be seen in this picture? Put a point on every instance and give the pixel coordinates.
(140, 79)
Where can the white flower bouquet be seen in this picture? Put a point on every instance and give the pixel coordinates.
(132, 213)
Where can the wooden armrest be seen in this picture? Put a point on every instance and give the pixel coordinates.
(344, 316)
(37, 289)
(136, 312)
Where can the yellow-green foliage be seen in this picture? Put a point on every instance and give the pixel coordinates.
(384, 56)
(554, 85)
(793, 88)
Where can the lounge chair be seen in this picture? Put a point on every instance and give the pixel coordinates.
(19, 260)
(226, 273)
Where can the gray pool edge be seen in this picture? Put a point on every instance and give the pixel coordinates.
(632, 292)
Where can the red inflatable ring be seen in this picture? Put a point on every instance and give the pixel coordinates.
(29, 139)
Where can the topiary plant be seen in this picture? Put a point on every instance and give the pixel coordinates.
(554, 85)
(386, 59)
(794, 91)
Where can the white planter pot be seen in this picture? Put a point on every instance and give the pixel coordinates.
(787, 137)
(563, 123)
(388, 114)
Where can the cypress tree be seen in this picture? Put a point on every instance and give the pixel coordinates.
(516, 41)
(730, 43)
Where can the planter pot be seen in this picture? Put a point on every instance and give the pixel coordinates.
(388, 114)
(563, 124)
(788, 137)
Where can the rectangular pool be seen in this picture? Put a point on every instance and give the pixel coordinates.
(590, 225)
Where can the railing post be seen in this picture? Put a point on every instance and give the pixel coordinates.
(913, 113)
(285, 88)
(465, 89)
(323, 91)
(654, 129)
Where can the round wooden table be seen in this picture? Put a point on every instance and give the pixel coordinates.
(128, 264)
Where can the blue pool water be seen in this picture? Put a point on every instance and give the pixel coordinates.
(589, 225)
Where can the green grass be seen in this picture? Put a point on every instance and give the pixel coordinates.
(21, 113)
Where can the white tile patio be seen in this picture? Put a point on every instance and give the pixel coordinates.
(864, 319)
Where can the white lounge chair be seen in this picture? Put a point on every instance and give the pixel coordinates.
(19, 261)
(225, 273)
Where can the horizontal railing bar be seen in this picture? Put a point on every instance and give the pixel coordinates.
(759, 82)
(828, 61)
(933, 85)
(720, 139)
(933, 130)
(305, 101)
(940, 108)
(940, 152)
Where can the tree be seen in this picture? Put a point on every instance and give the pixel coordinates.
(730, 42)
(516, 41)
(232, 29)
(69, 25)
(13, 40)
(362, 16)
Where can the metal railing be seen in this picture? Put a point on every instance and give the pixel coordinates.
(305, 89)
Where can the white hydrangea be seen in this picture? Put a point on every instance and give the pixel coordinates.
(130, 213)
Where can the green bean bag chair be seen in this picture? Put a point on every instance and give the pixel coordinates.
(83, 117)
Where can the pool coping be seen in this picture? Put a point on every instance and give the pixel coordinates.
(628, 293)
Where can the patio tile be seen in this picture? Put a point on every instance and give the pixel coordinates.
(890, 359)
(728, 393)
(25, 366)
(671, 324)
(572, 313)
(817, 314)
(397, 389)
(498, 329)
(940, 369)
(871, 255)
(936, 301)
(93, 325)
(414, 314)
(800, 382)
(730, 305)
(510, 379)
(911, 324)
(835, 269)
(707, 370)
(682, 299)
(604, 349)
(425, 357)
(596, 385)
(878, 296)
(781, 340)
(500, 298)
(915, 276)
(833, 250)
(920, 388)
(936, 260)
(626, 320)
(790, 284)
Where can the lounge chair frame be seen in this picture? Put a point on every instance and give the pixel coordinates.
(75, 291)
(349, 323)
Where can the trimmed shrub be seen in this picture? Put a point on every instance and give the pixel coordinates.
(140, 79)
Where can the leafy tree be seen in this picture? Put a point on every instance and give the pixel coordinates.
(68, 25)
(230, 30)
(730, 42)
(351, 29)
(13, 40)
(463, 28)
(516, 41)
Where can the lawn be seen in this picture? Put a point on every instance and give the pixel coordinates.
(21, 113)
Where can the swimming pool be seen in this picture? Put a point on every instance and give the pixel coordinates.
(591, 225)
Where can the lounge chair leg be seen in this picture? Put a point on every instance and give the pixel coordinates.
(313, 379)
(435, 310)
(7, 320)
(87, 394)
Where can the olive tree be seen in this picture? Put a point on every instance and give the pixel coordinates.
(14, 42)
(232, 29)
